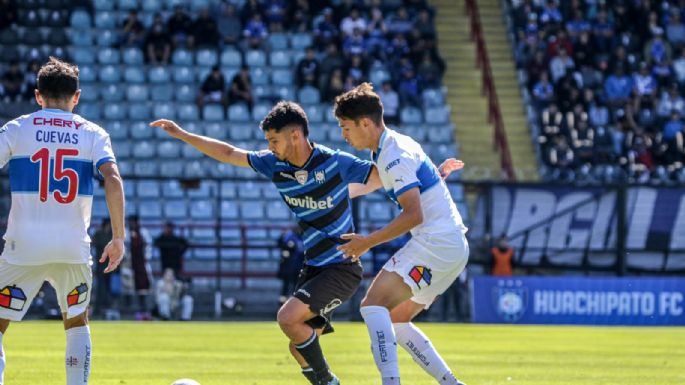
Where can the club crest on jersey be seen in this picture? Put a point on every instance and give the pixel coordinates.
(301, 176)
(78, 295)
(320, 176)
(421, 274)
(13, 298)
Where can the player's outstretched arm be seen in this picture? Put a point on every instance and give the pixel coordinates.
(114, 194)
(410, 217)
(373, 184)
(216, 149)
(449, 166)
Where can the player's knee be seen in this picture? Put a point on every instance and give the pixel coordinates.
(287, 318)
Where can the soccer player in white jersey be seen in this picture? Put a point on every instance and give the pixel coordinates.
(428, 264)
(51, 155)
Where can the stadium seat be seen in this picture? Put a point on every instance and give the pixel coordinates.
(378, 76)
(190, 152)
(159, 74)
(108, 56)
(134, 75)
(229, 73)
(172, 189)
(262, 92)
(282, 77)
(149, 209)
(83, 55)
(213, 112)
(206, 57)
(250, 190)
(240, 131)
(188, 112)
(216, 130)
(169, 149)
(163, 92)
(117, 130)
(201, 209)
(251, 210)
(90, 111)
(300, 41)
(89, 92)
(284, 92)
(133, 56)
(125, 169)
(80, 20)
(259, 76)
(194, 170)
(112, 93)
(164, 111)
(433, 97)
(110, 74)
(440, 135)
(106, 38)
(278, 41)
(231, 58)
(122, 149)
(411, 115)
(184, 75)
(271, 192)
(176, 209)
(259, 111)
(79, 37)
(238, 113)
(182, 57)
(437, 115)
(308, 95)
(229, 209)
(139, 111)
(114, 111)
(379, 212)
(255, 58)
(143, 149)
(100, 209)
(137, 93)
(151, 5)
(314, 113)
(280, 59)
(127, 5)
(103, 5)
(227, 189)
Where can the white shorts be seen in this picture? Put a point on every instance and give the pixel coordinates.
(429, 264)
(19, 284)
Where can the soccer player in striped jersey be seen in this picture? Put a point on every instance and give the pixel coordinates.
(428, 264)
(316, 183)
(51, 154)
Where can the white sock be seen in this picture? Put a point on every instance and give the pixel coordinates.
(2, 362)
(77, 358)
(383, 344)
(423, 352)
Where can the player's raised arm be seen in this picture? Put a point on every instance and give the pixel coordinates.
(221, 151)
(114, 194)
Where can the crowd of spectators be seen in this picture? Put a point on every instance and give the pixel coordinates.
(606, 79)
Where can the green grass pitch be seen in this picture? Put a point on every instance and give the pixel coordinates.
(242, 353)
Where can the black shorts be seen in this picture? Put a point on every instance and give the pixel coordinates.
(325, 288)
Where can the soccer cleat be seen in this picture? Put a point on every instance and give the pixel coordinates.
(333, 381)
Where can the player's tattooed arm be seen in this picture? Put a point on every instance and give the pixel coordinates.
(371, 185)
(221, 151)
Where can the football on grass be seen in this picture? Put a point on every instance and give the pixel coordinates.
(185, 381)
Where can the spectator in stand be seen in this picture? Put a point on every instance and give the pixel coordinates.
(307, 72)
(543, 91)
(352, 22)
(241, 88)
(561, 158)
(171, 249)
(349, 83)
(255, 32)
(604, 145)
(335, 85)
(679, 68)
(598, 113)
(400, 22)
(354, 44)
(603, 32)
(332, 60)
(292, 259)
(657, 50)
(169, 294)
(356, 69)
(158, 43)
(275, 12)
(139, 247)
(618, 88)
(30, 80)
(535, 67)
(132, 31)
(561, 65)
(376, 42)
(391, 103)
(250, 8)
(229, 26)
(578, 25)
(640, 159)
(425, 25)
(550, 14)
(326, 31)
(180, 27)
(672, 140)
(409, 89)
(8, 13)
(12, 81)
(645, 88)
(583, 52)
(671, 101)
(583, 137)
(300, 16)
(675, 30)
(558, 42)
(429, 72)
(398, 47)
(205, 30)
(502, 255)
(551, 120)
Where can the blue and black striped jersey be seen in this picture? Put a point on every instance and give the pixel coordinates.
(317, 194)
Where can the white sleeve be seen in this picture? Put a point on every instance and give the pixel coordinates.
(400, 170)
(7, 133)
(102, 149)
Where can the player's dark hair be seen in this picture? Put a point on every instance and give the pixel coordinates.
(360, 102)
(57, 79)
(285, 113)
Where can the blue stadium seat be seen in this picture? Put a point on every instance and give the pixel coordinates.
(438, 115)
(194, 169)
(87, 74)
(239, 132)
(270, 192)
(141, 130)
(278, 41)
(103, 5)
(114, 111)
(411, 115)
(151, 5)
(227, 189)
(261, 92)
(184, 75)
(127, 5)
(206, 57)
(149, 209)
(259, 111)
(277, 211)
(100, 209)
(182, 57)
(176, 209)
(231, 58)
(229, 209)
(80, 19)
(112, 92)
(133, 56)
(201, 209)
(238, 113)
(282, 77)
(379, 212)
(122, 149)
(108, 56)
(457, 191)
(317, 134)
(90, 111)
(252, 210)
(308, 95)
(250, 190)
(433, 97)
(164, 111)
(255, 58)
(159, 74)
(137, 93)
(172, 189)
(280, 59)
(81, 38)
(314, 113)
(117, 130)
(221, 170)
(134, 75)
(148, 169)
(139, 111)
(300, 41)
(83, 55)
(259, 76)
(143, 149)
(229, 73)
(378, 76)
(169, 149)
(285, 92)
(162, 92)
(216, 130)
(125, 169)
(107, 38)
(188, 112)
(213, 112)
(89, 92)
(110, 74)
(440, 134)
(190, 152)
